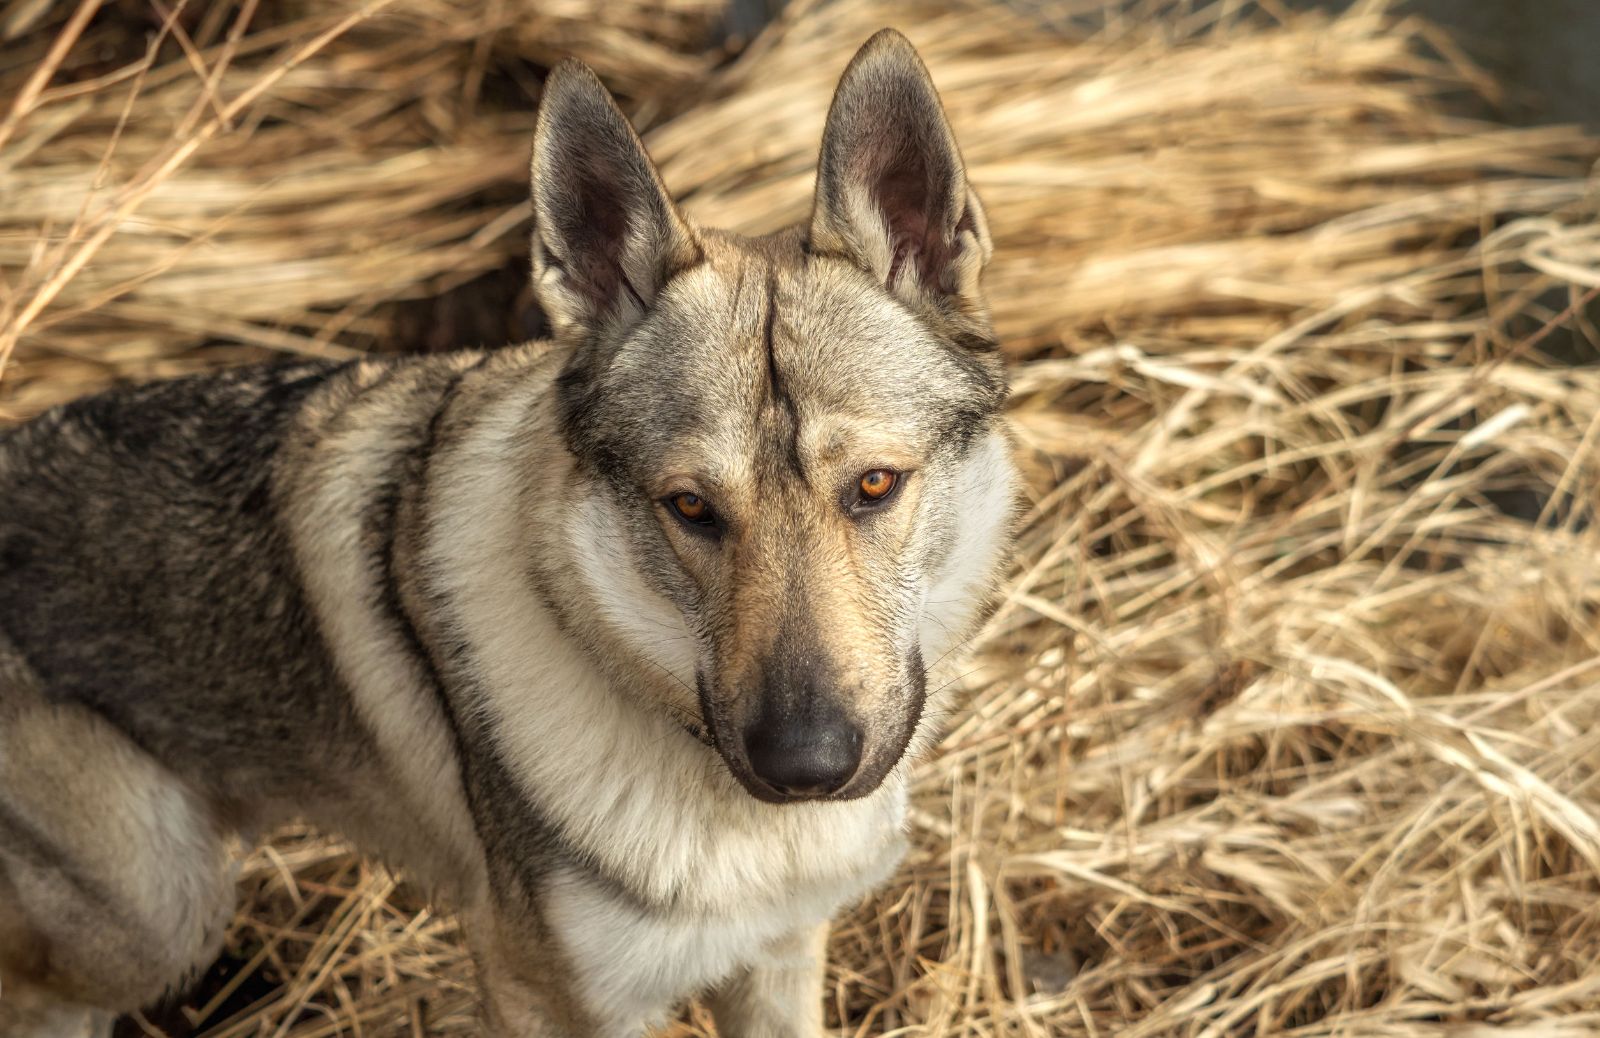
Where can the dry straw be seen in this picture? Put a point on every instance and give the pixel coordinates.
(1289, 722)
(278, 175)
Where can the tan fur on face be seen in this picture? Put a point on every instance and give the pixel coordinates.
(843, 587)
(791, 387)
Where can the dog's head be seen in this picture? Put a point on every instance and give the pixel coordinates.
(793, 474)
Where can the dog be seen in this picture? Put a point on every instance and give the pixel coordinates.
(619, 643)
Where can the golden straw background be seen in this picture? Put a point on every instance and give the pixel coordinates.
(1289, 721)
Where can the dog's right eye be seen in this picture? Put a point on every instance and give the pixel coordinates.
(692, 509)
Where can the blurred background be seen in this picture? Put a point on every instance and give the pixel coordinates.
(1538, 51)
(1288, 721)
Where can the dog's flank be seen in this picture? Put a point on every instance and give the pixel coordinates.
(618, 643)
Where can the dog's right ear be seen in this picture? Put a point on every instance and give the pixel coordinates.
(892, 192)
(606, 235)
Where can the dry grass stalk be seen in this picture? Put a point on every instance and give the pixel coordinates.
(279, 176)
(1287, 723)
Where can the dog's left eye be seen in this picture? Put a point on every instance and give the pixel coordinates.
(873, 489)
(692, 509)
(877, 484)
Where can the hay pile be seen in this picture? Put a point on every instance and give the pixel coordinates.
(1290, 721)
(281, 178)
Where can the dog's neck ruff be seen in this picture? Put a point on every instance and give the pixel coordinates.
(607, 770)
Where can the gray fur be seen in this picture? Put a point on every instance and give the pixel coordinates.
(442, 606)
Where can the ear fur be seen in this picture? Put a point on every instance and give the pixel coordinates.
(892, 192)
(606, 235)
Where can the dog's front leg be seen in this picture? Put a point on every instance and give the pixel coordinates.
(780, 994)
(513, 1008)
(525, 989)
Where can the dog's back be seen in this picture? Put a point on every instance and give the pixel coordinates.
(165, 676)
(147, 623)
(144, 573)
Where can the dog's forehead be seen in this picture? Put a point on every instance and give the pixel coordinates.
(820, 333)
(752, 357)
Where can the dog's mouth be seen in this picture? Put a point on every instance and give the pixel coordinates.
(698, 731)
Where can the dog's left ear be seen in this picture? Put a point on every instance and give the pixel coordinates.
(892, 191)
(606, 235)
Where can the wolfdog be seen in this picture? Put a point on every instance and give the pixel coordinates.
(618, 643)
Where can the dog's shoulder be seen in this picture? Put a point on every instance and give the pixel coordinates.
(173, 416)
(145, 468)
(144, 573)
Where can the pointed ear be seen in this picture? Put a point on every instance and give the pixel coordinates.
(606, 235)
(892, 190)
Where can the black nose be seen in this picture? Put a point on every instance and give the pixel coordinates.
(804, 760)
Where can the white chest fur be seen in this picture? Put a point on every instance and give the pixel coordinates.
(638, 962)
(723, 874)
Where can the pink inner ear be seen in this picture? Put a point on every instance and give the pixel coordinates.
(595, 226)
(596, 238)
(914, 213)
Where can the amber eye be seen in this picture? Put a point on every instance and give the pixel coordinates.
(691, 508)
(876, 485)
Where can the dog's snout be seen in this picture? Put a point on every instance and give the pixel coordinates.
(800, 761)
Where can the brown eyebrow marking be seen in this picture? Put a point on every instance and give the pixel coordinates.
(781, 399)
(774, 380)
